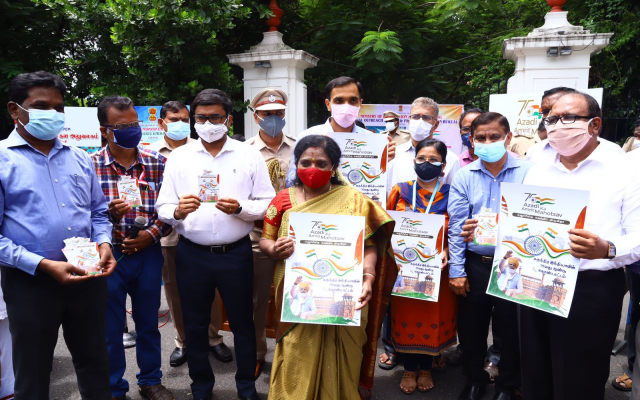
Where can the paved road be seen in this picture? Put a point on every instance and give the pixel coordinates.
(447, 384)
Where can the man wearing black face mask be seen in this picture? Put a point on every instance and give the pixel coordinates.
(139, 271)
(269, 107)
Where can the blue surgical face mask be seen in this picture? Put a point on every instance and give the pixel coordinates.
(490, 152)
(44, 124)
(272, 124)
(178, 130)
(466, 140)
(127, 138)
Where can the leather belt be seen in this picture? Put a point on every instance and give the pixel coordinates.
(483, 259)
(216, 249)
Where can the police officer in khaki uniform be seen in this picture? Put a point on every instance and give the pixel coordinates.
(392, 121)
(277, 149)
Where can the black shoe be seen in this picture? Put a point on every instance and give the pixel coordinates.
(472, 392)
(221, 352)
(503, 396)
(129, 339)
(178, 357)
(254, 397)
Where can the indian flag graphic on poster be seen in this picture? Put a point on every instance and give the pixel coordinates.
(417, 243)
(533, 265)
(323, 276)
(364, 163)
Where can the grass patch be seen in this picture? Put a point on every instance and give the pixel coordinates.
(414, 295)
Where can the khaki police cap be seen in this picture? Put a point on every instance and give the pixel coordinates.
(269, 99)
(390, 116)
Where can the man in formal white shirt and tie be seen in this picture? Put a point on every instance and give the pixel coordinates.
(213, 192)
(559, 352)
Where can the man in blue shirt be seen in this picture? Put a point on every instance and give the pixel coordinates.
(476, 189)
(50, 193)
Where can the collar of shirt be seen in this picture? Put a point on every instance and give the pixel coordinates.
(229, 145)
(512, 162)
(162, 144)
(108, 158)
(15, 140)
(260, 144)
(465, 157)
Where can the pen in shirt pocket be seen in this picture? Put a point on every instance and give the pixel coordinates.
(75, 176)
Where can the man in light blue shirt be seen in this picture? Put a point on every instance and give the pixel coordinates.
(476, 188)
(50, 193)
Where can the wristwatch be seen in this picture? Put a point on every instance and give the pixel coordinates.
(612, 250)
(238, 210)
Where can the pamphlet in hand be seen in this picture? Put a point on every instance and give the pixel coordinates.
(209, 187)
(129, 191)
(487, 230)
(84, 254)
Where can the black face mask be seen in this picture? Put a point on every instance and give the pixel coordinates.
(427, 171)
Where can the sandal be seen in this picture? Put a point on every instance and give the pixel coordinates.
(409, 376)
(427, 375)
(390, 357)
(622, 383)
(439, 364)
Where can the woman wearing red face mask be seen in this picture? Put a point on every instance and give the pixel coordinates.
(322, 361)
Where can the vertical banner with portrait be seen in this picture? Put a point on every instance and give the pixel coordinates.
(323, 276)
(533, 265)
(364, 163)
(417, 242)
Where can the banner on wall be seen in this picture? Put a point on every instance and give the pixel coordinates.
(448, 131)
(523, 110)
(82, 128)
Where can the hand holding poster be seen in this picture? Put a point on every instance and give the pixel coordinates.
(533, 265)
(323, 276)
(417, 242)
(364, 163)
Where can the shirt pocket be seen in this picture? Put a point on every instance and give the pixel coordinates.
(80, 190)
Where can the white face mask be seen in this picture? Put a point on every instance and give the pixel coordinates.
(391, 125)
(420, 130)
(211, 132)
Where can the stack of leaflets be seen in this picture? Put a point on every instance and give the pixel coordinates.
(83, 253)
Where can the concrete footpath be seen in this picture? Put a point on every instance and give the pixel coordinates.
(448, 384)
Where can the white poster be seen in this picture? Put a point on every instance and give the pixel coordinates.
(323, 276)
(523, 109)
(81, 128)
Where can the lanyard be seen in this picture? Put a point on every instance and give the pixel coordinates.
(433, 196)
(140, 180)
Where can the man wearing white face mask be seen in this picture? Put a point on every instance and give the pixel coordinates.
(422, 125)
(343, 98)
(174, 120)
(392, 123)
(214, 249)
(277, 149)
(610, 240)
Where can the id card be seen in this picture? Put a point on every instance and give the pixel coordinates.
(209, 187)
(487, 230)
(129, 191)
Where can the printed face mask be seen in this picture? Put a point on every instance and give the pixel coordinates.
(178, 130)
(344, 114)
(490, 152)
(272, 124)
(419, 129)
(211, 132)
(568, 139)
(44, 124)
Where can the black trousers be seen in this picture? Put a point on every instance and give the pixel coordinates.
(474, 316)
(568, 358)
(199, 272)
(37, 306)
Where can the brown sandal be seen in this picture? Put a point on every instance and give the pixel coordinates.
(408, 375)
(425, 374)
(156, 392)
(623, 383)
(439, 364)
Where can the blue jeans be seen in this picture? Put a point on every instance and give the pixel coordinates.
(140, 276)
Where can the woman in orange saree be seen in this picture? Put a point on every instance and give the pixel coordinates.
(326, 361)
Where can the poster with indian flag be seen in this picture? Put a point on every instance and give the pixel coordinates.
(533, 265)
(323, 276)
(417, 244)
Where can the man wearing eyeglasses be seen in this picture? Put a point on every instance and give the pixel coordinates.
(139, 271)
(580, 345)
(543, 149)
(422, 124)
(214, 190)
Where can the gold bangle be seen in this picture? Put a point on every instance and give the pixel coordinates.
(372, 275)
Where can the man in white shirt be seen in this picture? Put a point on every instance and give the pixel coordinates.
(343, 98)
(174, 120)
(558, 352)
(213, 192)
(542, 149)
(422, 124)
